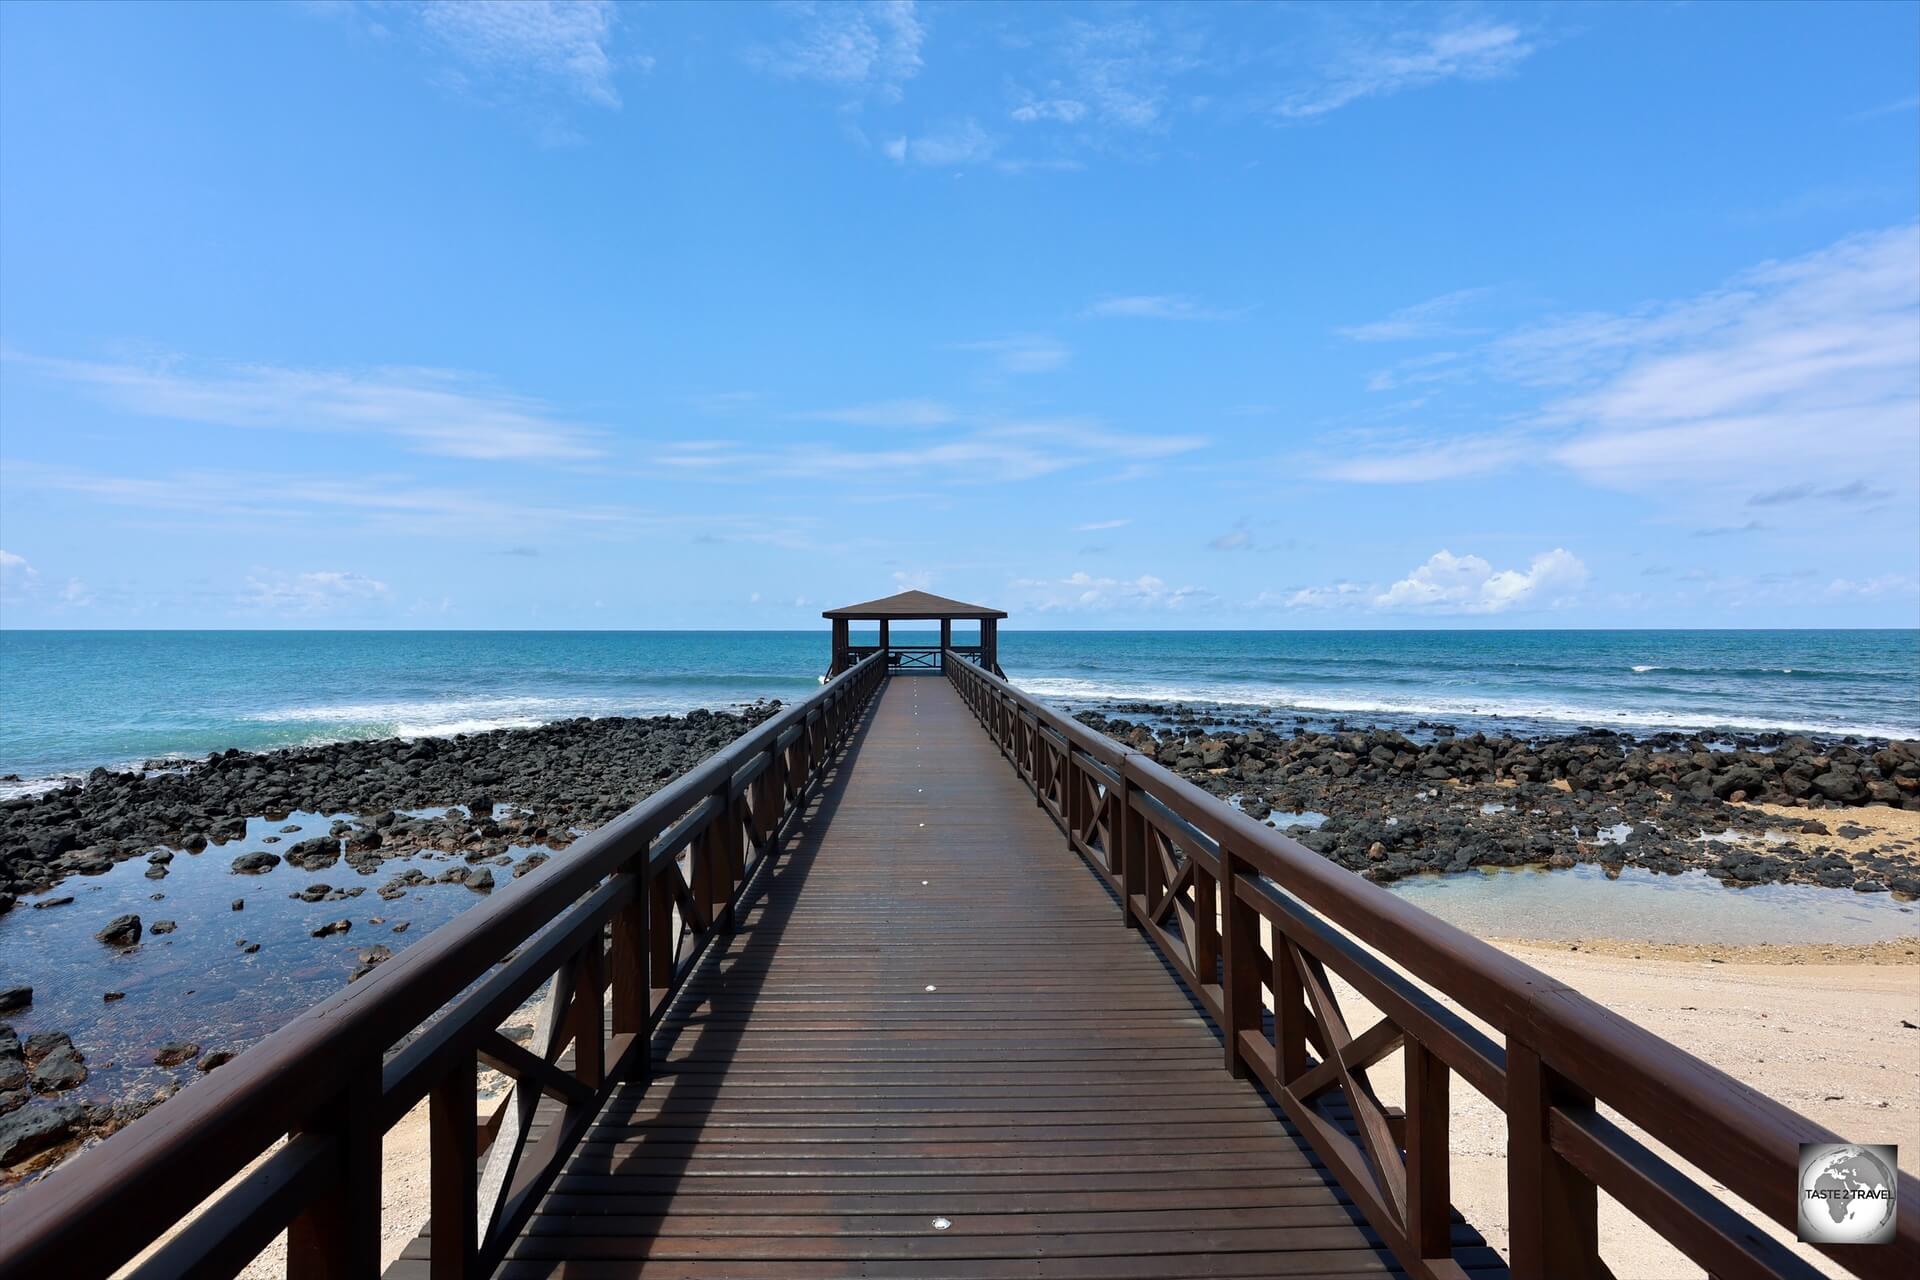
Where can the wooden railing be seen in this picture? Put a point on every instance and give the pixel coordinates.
(1253, 921)
(611, 928)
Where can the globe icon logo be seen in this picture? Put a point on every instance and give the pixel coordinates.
(1847, 1193)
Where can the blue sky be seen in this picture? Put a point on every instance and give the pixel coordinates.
(497, 315)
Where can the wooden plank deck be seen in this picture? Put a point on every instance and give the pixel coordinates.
(931, 1014)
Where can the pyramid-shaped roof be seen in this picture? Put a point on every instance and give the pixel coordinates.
(914, 604)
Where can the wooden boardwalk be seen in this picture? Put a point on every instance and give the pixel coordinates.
(932, 1049)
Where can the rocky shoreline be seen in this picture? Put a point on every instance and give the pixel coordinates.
(1380, 802)
(1395, 806)
(559, 778)
(468, 800)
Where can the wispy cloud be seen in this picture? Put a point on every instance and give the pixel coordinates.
(1113, 73)
(1800, 367)
(961, 143)
(1899, 106)
(1409, 60)
(429, 410)
(1095, 526)
(562, 42)
(985, 453)
(1021, 353)
(317, 592)
(1420, 461)
(1154, 306)
(1806, 364)
(885, 413)
(868, 48)
(1852, 491)
(1435, 318)
(1086, 592)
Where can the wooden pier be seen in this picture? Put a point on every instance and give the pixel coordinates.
(922, 979)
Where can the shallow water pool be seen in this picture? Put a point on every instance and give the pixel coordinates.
(1643, 906)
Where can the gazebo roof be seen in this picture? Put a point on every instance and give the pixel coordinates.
(914, 604)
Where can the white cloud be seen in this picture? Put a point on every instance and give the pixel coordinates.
(430, 410)
(1340, 595)
(886, 413)
(1095, 526)
(1802, 368)
(1478, 51)
(1153, 307)
(562, 41)
(1890, 584)
(1447, 583)
(1083, 591)
(17, 578)
(1235, 539)
(1021, 353)
(1434, 318)
(986, 453)
(1056, 110)
(1899, 106)
(1116, 73)
(76, 594)
(1805, 367)
(961, 143)
(1422, 462)
(868, 47)
(392, 505)
(321, 591)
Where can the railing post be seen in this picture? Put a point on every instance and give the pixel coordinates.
(1132, 832)
(1289, 1011)
(1072, 805)
(1552, 1208)
(632, 1004)
(1429, 1190)
(1240, 980)
(662, 940)
(588, 1014)
(337, 1235)
(733, 857)
(454, 1190)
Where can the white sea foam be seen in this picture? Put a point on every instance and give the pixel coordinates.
(1279, 698)
(38, 786)
(443, 717)
(1642, 670)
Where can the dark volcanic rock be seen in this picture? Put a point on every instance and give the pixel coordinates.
(31, 1130)
(175, 1052)
(15, 998)
(560, 778)
(54, 1065)
(121, 931)
(1453, 801)
(259, 862)
(316, 854)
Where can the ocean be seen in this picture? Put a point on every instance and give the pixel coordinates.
(74, 700)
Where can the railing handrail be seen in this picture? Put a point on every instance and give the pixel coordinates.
(153, 1173)
(1726, 1128)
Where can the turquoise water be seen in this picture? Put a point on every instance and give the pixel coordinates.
(73, 700)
